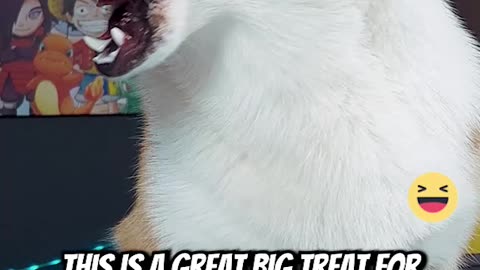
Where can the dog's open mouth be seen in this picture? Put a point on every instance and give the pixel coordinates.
(129, 38)
(432, 204)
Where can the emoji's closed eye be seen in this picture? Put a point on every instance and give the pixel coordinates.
(421, 188)
(444, 188)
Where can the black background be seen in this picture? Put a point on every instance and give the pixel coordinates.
(64, 181)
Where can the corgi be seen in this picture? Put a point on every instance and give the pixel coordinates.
(297, 124)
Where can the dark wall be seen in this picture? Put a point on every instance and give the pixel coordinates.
(64, 182)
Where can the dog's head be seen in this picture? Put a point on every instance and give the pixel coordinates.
(145, 32)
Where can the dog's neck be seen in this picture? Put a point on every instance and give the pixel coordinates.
(280, 55)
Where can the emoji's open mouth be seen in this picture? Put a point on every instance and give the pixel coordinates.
(432, 204)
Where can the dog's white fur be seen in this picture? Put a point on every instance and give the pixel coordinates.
(301, 124)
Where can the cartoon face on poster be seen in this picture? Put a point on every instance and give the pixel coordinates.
(45, 66)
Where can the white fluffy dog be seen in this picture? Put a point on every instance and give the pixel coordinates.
(297, 124)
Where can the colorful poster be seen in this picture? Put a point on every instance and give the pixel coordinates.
(45, 66)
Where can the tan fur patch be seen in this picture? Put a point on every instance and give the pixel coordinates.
(157, 17)
(475, 138)
(134, 232)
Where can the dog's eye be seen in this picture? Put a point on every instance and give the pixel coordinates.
(444, 188)
(421, 188)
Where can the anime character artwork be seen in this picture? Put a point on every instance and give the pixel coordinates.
(89, 20)
(23, 25)
(31, 83)
(56, 77)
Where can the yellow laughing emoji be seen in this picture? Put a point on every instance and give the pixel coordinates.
(432, 197)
